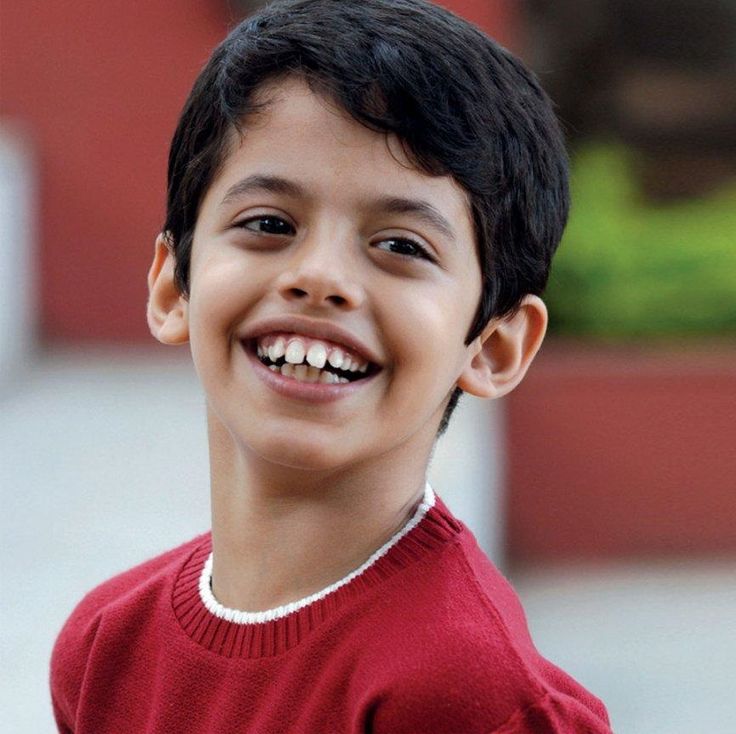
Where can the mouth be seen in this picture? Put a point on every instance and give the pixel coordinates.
(310, 360)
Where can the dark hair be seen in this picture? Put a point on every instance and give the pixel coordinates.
(460, 104)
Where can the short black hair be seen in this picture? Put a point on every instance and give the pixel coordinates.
(460, 104)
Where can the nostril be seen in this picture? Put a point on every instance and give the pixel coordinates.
(334, 299)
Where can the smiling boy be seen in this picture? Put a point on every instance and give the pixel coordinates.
(364, 198)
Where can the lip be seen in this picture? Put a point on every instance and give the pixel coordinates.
(312, 392)
(312, 328)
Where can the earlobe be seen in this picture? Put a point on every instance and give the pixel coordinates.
(167, 310)
(503, 352)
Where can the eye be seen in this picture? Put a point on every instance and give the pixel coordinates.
(267, 224)
(404, 247)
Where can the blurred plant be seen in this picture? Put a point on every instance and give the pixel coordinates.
(627, 269)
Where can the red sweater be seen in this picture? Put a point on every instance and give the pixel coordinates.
(426, 637)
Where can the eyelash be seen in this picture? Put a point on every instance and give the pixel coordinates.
(263, 218)
(421, 252)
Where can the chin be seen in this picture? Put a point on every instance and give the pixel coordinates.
(305, 455)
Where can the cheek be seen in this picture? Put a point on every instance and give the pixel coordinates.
(219, 288)
(429, 336)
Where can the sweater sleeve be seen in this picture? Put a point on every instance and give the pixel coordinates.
(76, 643)
(556, 714)
(552, 713)
(462, 683)
(60, 717)
(69, 664)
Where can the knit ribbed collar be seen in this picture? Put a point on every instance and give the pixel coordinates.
(234, 633)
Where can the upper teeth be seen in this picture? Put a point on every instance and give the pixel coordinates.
(295, 352)
(317, 353)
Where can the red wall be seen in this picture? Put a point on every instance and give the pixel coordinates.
(619, 453)
(499, 18)
(99, 86)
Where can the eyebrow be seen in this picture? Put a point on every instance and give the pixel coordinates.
(259, 182)
(418, 208)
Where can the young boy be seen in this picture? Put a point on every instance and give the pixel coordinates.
(364, 198)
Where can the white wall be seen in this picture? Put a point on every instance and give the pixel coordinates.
(17, 252)
(467, 471)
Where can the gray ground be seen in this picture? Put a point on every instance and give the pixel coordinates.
(84, 437)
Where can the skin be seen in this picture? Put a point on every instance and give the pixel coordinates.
(303, 493)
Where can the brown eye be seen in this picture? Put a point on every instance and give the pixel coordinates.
(403, 247)
(267, 224)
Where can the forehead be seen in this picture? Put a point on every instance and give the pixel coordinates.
(301, 135)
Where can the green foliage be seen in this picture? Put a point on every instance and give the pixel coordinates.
(629, 270)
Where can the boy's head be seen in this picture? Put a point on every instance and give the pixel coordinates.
(456, 103)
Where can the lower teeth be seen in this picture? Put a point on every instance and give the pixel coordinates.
(307, 373)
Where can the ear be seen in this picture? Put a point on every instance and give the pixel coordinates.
(167, 310)
(502, 353)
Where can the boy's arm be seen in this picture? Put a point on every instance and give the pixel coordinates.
(552, 713)
(476, 692)
(478, 683)
(60, 717)
(558, 714)
(69, 662)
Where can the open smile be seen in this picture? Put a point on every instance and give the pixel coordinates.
(307, 368)
(309, 359)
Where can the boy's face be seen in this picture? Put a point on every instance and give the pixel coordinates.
(316, 230)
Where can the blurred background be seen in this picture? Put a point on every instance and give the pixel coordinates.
(603, 487)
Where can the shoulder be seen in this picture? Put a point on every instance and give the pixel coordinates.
(126, 595)
(127, 587)
(460, 657)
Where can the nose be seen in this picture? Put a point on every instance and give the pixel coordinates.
(322, 273)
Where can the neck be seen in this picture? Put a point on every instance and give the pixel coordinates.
(280, 534)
